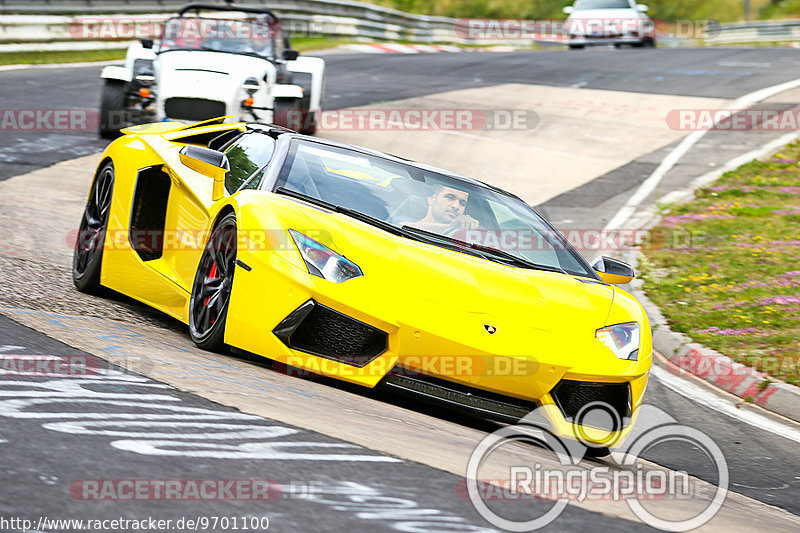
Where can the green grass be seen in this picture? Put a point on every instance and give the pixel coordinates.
(79, 56)
(304, 45)
(725, 267)
(67, 56)
(308, 44)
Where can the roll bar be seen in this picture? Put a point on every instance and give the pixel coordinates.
(226, 7)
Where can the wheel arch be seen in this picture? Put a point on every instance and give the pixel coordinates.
(225, 211)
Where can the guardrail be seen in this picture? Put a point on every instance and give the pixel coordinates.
(754, 32)
(47, 24)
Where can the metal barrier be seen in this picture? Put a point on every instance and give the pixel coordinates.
(47, 24)
(754, 32)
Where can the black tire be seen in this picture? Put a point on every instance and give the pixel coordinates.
(576, 47)
(211, 291)
(310, 120)
(597, 452)
(113, 114)
(286, 112)
(87, 257)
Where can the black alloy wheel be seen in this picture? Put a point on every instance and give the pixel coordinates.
(211, 291)
(88, 253)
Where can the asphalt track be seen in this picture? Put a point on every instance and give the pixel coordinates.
(316, 483)
(357, 80)
(763, 465)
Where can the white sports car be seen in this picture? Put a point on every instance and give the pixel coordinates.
(238, 65)
(617, 22)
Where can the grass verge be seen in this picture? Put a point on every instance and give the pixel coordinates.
(725, 267)
(303, 45)
(66, 56)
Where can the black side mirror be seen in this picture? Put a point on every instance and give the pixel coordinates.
(290, 55)
(613, 271)
(147, 43)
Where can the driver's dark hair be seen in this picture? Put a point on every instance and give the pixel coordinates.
(438, 187)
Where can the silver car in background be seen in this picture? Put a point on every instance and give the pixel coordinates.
(602, 22)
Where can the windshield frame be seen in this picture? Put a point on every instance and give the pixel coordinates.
(629, 6)
(271, 181)
(272, 57)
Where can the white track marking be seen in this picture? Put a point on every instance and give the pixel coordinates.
(709, 177)
(9, 348)
(650, 184)
(701, 395)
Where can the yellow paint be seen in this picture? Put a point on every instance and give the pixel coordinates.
(433, 303)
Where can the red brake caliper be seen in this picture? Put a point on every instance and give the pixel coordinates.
(211, 275)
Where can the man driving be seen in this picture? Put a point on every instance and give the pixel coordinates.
(446, 211)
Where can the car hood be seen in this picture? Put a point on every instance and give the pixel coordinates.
(210, 75)
(437, 280)
(605, 14)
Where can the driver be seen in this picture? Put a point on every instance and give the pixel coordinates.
(446, 211)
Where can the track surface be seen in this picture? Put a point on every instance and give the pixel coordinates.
(356, 80)
(314, 479)
(763, 465)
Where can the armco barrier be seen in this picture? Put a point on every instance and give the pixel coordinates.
(45, 24)
(754, 32)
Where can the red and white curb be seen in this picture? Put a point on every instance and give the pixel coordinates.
(392, 48)
(687, 357)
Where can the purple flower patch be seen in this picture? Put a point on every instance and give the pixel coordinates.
(729, 331)
(780, 300)
(679, 219)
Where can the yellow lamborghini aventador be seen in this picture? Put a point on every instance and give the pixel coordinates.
(365, 267)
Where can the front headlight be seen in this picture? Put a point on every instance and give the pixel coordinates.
(322, 261)
(622, 339)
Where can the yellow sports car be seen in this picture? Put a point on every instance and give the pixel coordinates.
(355, 264)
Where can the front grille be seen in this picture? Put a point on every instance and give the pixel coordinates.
(319, 330)
(572, 396)
(193, 108)
(489, 404)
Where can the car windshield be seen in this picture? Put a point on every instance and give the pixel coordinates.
(241, 36)
(427, 205)
(602, 4)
